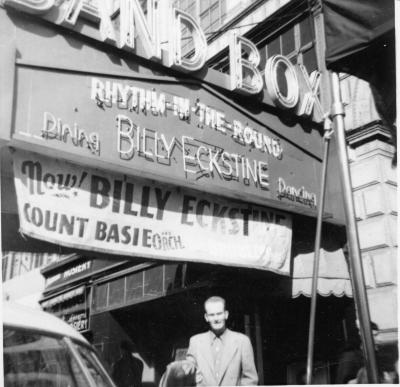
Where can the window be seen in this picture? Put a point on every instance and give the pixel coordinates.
(137, 286)
(297, 42)
(17, 263)
(291, 37)
(211, 15)
(32, 359)
(92, 364)
(190, 7)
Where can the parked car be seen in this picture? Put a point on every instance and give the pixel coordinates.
(40, 350)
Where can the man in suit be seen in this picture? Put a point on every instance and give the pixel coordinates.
(127, 370)
(220, 357)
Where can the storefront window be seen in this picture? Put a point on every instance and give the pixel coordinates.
(153, 281)
(134, 287)
(137, 287)
(101, 296)
(116, 291)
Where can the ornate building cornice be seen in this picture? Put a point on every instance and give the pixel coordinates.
(372, 131)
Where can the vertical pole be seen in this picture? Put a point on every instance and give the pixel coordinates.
(357, 274)
(9, 257)
(259, 345)
(317, 245)
(246, 319)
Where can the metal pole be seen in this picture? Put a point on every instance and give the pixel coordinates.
(357, 274)
(259, 345)
(317, 245)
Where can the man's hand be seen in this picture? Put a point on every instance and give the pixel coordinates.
(188, 367)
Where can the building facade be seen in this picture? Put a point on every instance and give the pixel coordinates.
(296, 29)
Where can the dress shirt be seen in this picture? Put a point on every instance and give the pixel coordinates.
(217, 345)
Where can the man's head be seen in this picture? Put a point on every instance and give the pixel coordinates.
(215, 314)
(125, 347)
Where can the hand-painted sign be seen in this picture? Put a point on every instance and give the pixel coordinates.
(78, 320)
(294, 194)
(71, 273)
(83, 208)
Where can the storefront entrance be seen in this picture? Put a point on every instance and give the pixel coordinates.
(259, 306)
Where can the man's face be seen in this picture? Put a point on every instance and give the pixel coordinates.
(216, 316)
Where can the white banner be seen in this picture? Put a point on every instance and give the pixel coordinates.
(95, 210)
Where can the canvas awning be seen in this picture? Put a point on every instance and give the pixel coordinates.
(360, 40)
(351, 28)
(334, 277)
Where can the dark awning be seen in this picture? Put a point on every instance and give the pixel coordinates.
(351, 28)
(360, 40)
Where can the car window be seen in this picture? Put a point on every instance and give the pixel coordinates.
(92, 363)
(34, 359)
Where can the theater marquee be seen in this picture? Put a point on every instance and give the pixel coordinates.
(175, 132)
(104, 106)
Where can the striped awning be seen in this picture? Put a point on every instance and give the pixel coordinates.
(333, 279)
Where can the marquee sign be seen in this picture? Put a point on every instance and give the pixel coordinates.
(174, 132)
(85, 208)
(125, 25)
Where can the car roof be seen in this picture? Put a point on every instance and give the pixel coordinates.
(21, 316)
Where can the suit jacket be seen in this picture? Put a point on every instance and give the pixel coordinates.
(237, 366)
(127, 372)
